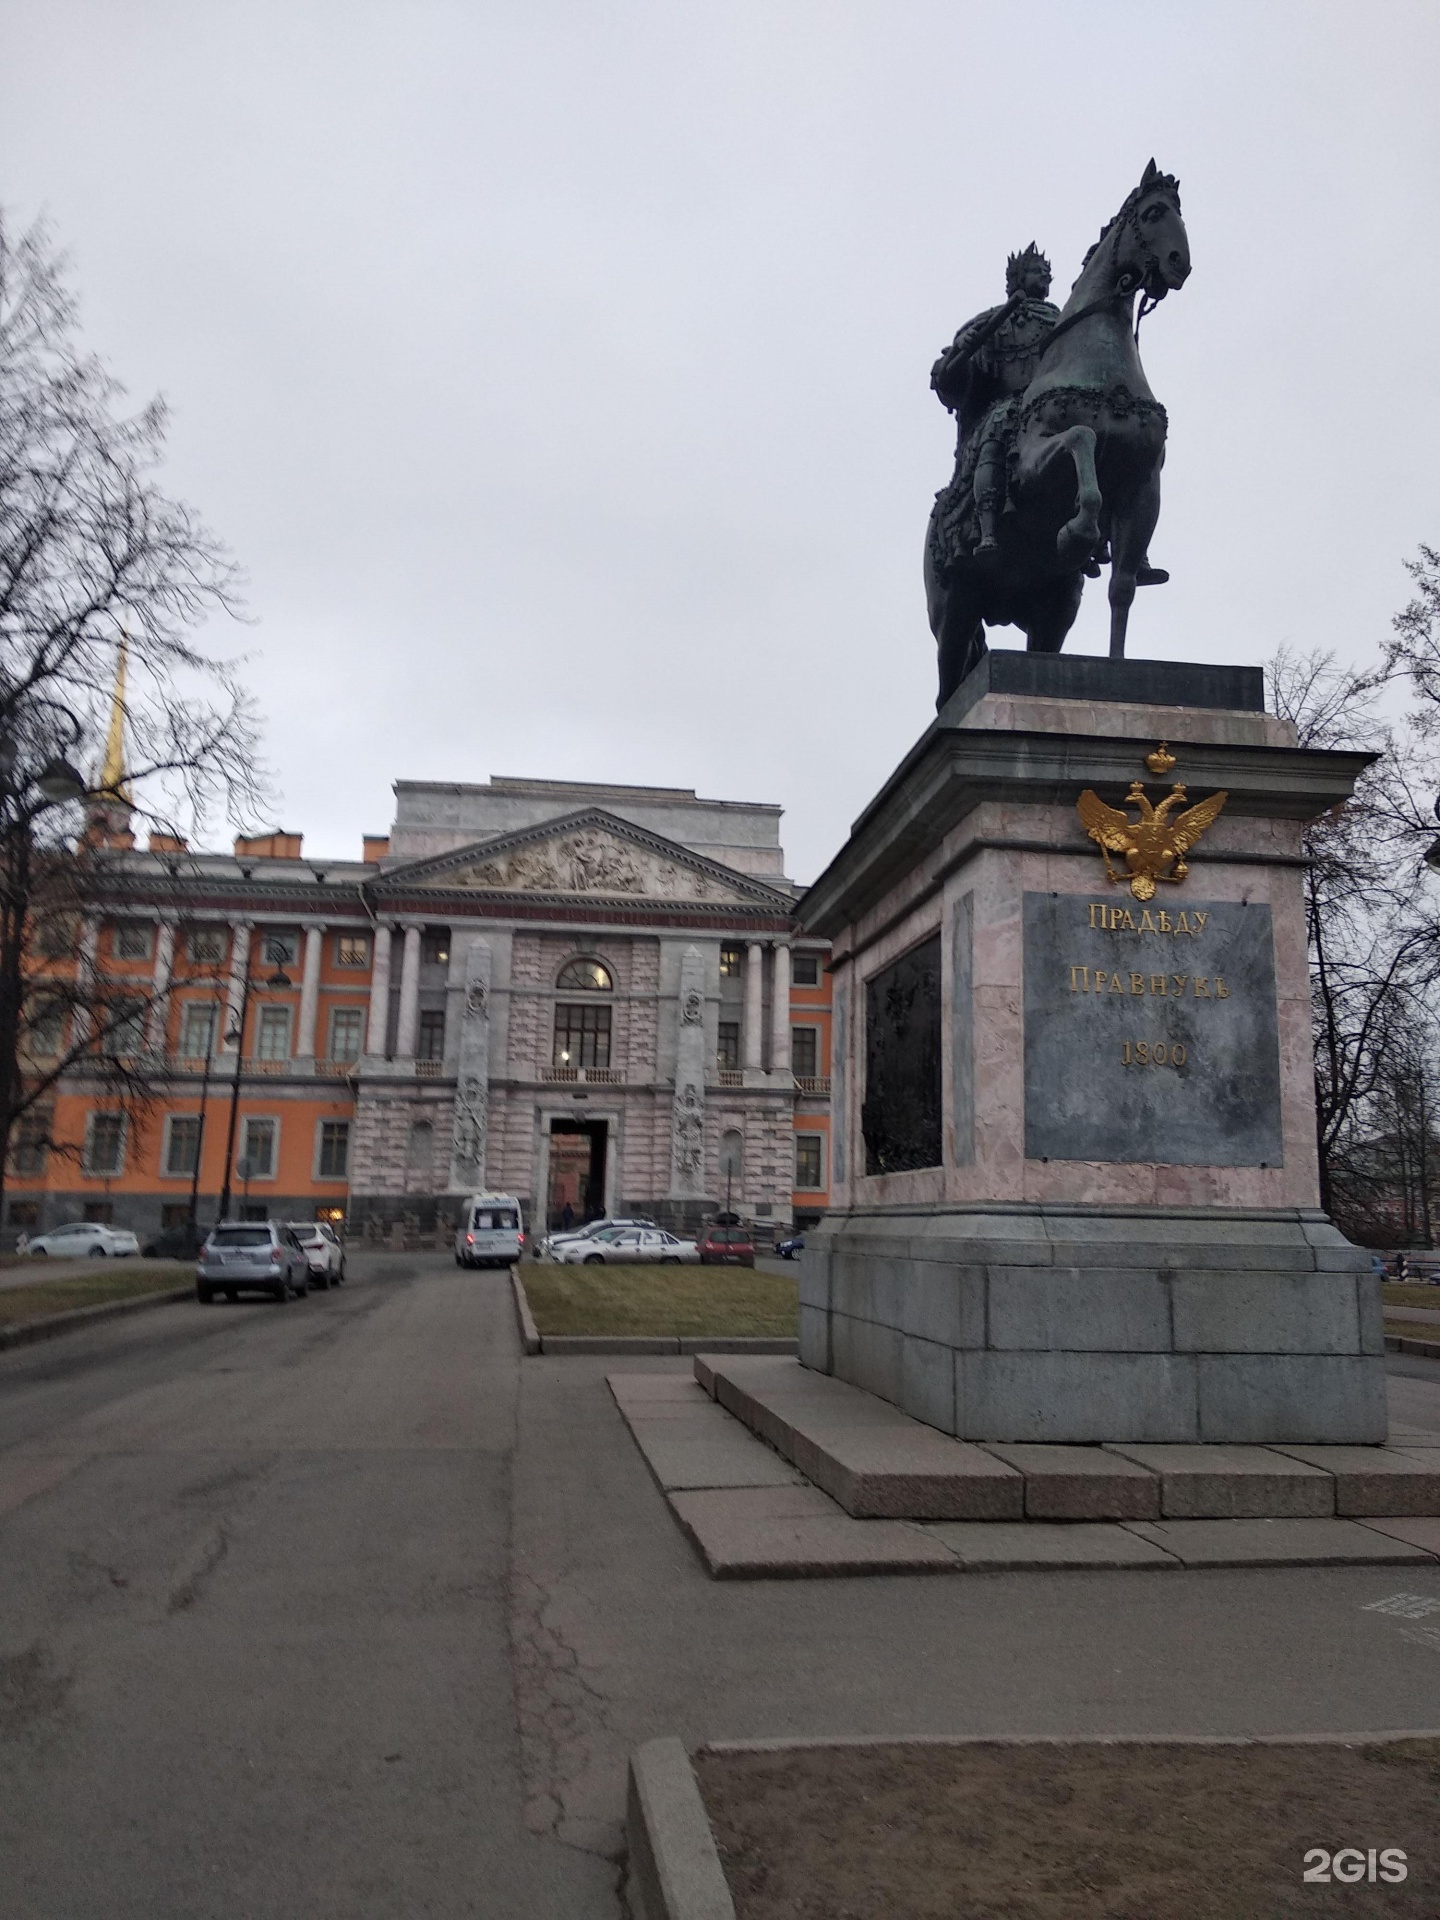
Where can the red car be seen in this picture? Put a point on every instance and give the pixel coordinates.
(727, 1246)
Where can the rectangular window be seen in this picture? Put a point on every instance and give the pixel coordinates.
(175, 1213)
(99, 1212)
(47, 1031)
(24, 1213)
(58, 935)
(272, 1034)
(582, 1036)
(124, 1030)
(347, 1033)
(334, 1161)
(727, 1051)
(805, 969)
(182, 1143)
(206, 946)
(804, 1052)
(257, 1151)
(435, 946)
(732, 962)
(280, 946)
(810, 1160)
(130, 940)
(197, 1029)
(105, 1144)
(30, 1144)
(431, 1042)
(352, 949)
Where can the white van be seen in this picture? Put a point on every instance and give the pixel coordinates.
(492, 1232)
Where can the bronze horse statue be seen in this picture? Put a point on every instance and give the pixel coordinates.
(1085, 450)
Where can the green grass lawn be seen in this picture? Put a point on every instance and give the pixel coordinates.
(1413, 1329)
(1401, 1294)
(660, 1300)
(112, 1282)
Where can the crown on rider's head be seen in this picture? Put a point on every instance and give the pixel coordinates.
(1018, 265)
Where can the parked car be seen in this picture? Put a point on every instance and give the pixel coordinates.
(82, 1239)
(551, 1244)
(244, 1256)
(492, 1233)
(176, 1243)
(727, 1247)
(323, 1252)
(622, 1246)
(788, 1249)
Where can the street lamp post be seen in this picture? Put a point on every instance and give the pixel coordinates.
(237, 1033)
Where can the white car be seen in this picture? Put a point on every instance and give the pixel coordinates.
(323, 1253)
(553, 1245)
(80, 1240)
(623, 1246)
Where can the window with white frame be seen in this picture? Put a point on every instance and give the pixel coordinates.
(123, 1035)
(132, 940)
(805, 969)
(197, 1029)
(30, 1146)
(47, 1029)
(257, 1149)
(352, 949)
(280, 946)
(333, 1157)
(182, 1143)
(805, 1052)
(430, 1042)
(272, 1034)
(104, 1144)
(347, 1033)
(810, 1160)
(206, 946)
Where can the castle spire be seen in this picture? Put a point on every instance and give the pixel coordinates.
(112, 770)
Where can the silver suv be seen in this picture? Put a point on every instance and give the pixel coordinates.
(256, 1255)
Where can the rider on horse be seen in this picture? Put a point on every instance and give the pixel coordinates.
(981, 378)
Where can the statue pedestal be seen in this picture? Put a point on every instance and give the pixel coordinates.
(1074, 1191)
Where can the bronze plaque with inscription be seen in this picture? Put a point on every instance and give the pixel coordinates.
(1151, 1032)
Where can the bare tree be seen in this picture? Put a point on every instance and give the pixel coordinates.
(97, 563)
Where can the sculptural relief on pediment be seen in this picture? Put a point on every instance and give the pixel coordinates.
(591, 861)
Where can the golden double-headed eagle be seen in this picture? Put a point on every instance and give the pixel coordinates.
(1154, 846)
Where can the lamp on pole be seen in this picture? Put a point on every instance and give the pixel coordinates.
(237, 1034)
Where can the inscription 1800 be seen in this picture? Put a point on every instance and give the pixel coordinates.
(1150, 1035)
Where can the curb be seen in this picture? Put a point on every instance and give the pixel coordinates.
(529, 1338)
(671, 1343)
(1388, 1736)
(25, 1333)
(1422, 1349)
(673, 1870)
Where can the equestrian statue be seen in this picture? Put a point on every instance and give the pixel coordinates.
(1060, 446)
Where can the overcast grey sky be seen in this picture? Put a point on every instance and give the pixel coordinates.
(559, 373)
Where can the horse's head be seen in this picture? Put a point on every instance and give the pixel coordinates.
(1153, 250)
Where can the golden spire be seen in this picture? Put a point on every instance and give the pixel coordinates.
(112, 771)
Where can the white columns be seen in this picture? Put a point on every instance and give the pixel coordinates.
(780, 1011)
(754, 1004)
(380, 993)
(81, 1022)
(409, 996)
(310, 992)
(158, 1020)
(235, 991)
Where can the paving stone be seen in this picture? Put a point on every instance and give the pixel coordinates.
(1417, 1532)
(1377, 1480)
(680, 1458)
(1278, 1543)
(1081, 1483)
(1232, 1483)
(797, 1533)
(869, 1456)
(1000, 1544)
(639, 1388)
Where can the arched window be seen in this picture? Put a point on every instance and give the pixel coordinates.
(588, 975)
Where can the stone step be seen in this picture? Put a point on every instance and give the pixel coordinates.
(877, 1462)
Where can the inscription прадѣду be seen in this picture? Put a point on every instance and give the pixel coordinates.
(1150, 1035)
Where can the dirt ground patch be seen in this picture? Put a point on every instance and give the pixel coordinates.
(1141, 1832)
(89, 1290)
(660, 1300)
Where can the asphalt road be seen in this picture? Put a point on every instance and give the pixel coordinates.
(254, 1650)
(343, 1609)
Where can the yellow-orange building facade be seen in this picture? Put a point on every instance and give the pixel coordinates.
(594, 997)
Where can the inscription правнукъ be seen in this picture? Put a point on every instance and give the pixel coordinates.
(900, 1115)
(1150, 1035)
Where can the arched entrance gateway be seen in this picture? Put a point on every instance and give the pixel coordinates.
(577, 1168)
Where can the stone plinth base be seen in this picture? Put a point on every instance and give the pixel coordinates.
(1075, 1324)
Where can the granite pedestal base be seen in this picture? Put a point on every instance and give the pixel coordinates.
(1091, 1324)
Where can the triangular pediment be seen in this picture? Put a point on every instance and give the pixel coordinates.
(592, 854)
